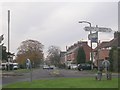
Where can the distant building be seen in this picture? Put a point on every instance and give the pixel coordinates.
(62, 57)
(70, 55)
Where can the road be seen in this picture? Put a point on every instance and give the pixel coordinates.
(45, 74)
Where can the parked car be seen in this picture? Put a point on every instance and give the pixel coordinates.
(84, 66)
(15, 66)
(3, 66)
(52, 67)
(12, 66)
(46, 67)
(73, 66)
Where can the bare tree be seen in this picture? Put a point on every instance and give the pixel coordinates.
(31, 49)
(54, 55)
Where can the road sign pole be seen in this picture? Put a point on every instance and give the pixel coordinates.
(29, 66)
(31, 74)
(98, 62)
(91, 50)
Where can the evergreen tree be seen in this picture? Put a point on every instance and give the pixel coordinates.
(119, 60)
(81, 56)
(113, 58)
(3, 53)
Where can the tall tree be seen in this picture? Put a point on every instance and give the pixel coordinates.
(113, 58)
(118, 60)
(54, 55)
(31, 49)
(81, 56)
(3, 53)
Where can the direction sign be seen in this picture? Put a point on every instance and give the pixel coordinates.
(99, 29)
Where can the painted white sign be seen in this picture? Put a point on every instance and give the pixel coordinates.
(99, 29)
(93, 35)
(28, 64)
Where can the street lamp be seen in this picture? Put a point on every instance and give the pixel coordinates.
(90, 42)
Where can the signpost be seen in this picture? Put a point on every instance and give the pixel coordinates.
(99, 29)
(29, 66)
(94, 36)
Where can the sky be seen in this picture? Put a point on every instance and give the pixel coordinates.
(56, 23)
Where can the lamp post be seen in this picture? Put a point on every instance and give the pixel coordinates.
(90, 42)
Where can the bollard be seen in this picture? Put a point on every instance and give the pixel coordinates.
(98, 76)
(109, 76)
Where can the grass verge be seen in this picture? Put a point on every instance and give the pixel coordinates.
(66, 83)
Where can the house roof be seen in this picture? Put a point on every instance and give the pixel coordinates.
(113, 42)
(75, 47)
(72, 50)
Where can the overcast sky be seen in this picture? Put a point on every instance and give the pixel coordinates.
(56, 23)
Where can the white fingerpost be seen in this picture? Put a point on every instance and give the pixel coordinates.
(29, 66)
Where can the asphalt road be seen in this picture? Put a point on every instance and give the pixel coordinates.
(45, 74)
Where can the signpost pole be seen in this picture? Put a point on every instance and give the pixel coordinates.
(98, 62)
(91, 49)
(29, 66)
(31, 71)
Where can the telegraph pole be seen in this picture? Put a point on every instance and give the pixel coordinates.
(8, 31)
(8, 39)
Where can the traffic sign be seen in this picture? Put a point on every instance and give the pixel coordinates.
(99, 29)
(93, 37)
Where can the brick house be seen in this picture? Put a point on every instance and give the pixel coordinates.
(71, 53)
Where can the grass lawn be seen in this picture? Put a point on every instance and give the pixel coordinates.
(17, 71)
(66, 83)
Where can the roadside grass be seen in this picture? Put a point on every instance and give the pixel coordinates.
(66, 83)
(21, 71)
(16, 71)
